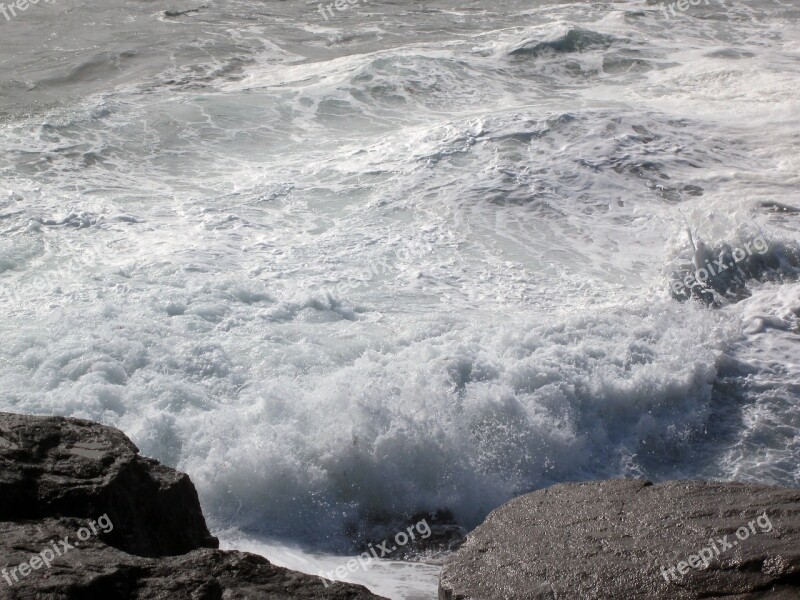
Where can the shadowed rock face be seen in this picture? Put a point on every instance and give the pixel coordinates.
(59, 476)
(618, 540)
(96, 571)
(51, 466)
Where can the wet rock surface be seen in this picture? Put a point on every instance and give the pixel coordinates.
(83, 516)
(629, 539)
(51, 466)
(93, 570)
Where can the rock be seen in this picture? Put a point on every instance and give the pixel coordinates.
(435, 534)
(84, 517)
(56, 467)
(630, 539)
(94, 570)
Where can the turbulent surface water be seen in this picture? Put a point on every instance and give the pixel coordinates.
(416, 256)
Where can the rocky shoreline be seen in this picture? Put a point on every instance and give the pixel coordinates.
(83, 516)
(632, 540)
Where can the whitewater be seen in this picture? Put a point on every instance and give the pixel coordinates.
(411, 257)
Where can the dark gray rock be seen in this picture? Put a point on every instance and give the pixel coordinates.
(51, 466)
(441, 531)
(95, 571)
(617, 540)
(90, 519)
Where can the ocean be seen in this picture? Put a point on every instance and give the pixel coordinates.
(348, 263)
